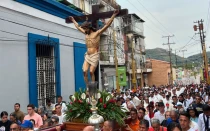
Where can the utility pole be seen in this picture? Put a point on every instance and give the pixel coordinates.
(203, 46)
(171, 79)
(183, 57)
(176, 58)
(133, 65)
(116, 61)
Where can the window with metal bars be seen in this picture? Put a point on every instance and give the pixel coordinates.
(45, 71)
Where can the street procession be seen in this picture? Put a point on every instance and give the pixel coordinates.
(104, 65)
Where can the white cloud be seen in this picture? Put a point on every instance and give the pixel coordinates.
(177, 16)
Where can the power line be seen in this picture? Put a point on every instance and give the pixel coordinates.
(153, 16)
(145, 16)
(187, 42)
(207, 20)
(171, 76)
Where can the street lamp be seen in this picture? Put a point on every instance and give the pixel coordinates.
(95, 119)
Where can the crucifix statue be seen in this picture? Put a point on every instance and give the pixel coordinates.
(92, 36)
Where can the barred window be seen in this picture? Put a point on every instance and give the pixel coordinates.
(46, 81)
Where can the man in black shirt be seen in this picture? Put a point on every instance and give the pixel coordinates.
(198, 105)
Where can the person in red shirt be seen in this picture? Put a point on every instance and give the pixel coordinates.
(156, 125)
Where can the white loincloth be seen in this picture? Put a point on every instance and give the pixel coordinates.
(92, 59)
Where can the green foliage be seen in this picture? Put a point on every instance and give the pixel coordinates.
(162, 54)
(80, 107)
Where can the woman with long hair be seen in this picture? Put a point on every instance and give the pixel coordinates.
(193, 114)
(5, 123)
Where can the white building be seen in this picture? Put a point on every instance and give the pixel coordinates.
(40, 55)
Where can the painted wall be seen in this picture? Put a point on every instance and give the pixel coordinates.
(159, 74)
(14, 50)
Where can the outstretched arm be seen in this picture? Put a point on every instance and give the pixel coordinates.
(76, 24)
(109, 22)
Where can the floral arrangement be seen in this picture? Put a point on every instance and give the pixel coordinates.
(80, 107)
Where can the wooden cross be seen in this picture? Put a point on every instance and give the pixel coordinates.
(96, 15)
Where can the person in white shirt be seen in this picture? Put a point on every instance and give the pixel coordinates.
(189, 99)
(186, 124)
(204, 119)
(135, 99)
(146, 102)
(63, 105)
(152, 98)
(173, 92)
(157, 96)
(207, 98)
(59, 114)
(184, 102)
(160, 115)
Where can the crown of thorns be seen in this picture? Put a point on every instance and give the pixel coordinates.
(87, 24)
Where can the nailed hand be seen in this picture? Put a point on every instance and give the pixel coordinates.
(116, 12)
(71, 18)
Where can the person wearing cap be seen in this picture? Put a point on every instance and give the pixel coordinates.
(27, 125)
(179, 105)
(160, 115)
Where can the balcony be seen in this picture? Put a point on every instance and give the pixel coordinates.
(148, 67)
(133, 24)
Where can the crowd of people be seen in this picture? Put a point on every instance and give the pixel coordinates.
(163, 108)
(36, 118)
(167, 108)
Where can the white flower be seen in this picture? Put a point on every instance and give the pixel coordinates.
(99, 95)
(107, 98)
(83, 96)
(87, 100)
(73, 98)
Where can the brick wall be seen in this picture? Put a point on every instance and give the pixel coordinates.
(159, 74)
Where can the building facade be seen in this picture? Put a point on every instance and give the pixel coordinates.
(134, 49)
(37, 53)
(160, 74)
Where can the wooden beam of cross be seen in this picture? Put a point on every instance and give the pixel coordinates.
(96, 15)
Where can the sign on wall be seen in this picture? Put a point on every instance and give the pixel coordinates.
(122, 76)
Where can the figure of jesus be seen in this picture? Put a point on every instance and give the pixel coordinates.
(92, 39)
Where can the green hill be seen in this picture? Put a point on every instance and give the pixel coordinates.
(162, 54)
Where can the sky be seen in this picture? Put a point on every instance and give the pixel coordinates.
(172, 17)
